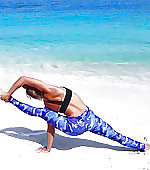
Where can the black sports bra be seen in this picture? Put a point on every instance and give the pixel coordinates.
(64, 104)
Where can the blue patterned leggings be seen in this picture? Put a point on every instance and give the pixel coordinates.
(74, 126)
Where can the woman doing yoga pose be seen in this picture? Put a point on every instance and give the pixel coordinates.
(77, 119)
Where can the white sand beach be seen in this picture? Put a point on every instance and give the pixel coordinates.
(123, 102)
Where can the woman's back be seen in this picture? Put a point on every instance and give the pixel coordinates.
(76, 106)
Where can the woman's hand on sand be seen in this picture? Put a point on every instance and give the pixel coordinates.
(4, 95)
(43, 149)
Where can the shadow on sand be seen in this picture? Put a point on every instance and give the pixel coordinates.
(60, 142)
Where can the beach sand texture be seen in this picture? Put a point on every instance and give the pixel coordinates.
(124, 105)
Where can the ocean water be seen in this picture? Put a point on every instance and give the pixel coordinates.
(90, 36)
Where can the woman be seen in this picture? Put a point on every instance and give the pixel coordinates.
(77, 118)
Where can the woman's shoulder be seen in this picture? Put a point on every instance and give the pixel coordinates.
(55, 90)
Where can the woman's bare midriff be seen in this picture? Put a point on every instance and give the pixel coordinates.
(75, 108)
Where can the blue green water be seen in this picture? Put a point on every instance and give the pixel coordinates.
(85, 31)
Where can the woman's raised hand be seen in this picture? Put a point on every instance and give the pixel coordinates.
(4, 95)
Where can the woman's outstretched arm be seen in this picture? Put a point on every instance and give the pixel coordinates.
(23, 80)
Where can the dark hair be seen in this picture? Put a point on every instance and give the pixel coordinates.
(33, 92)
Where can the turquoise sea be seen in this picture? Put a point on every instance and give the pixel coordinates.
(87, 35)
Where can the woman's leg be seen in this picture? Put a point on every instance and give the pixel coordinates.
(74, 126)
(69, 125)
(30, 110)
(50, 116)
(100, 127)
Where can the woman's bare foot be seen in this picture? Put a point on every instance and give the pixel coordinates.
(147, 147)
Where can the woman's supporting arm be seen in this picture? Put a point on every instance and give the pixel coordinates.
(50, 138)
